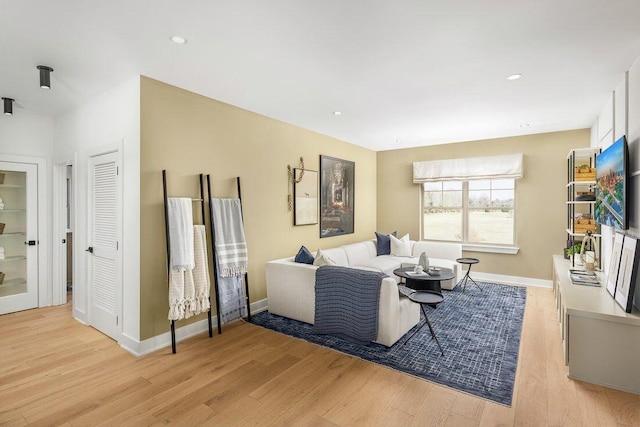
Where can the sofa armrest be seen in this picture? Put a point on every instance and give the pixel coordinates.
(291, 289)
(389, 312)
(446, 263)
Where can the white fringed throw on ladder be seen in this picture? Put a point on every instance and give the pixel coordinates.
(181, 257)
(201, 281)
(189, 289)
(180, 219)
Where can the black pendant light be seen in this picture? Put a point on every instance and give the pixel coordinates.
(45, 76)
(8, 106)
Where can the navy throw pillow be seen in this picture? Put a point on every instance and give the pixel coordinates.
(305, 257)
(383, 246)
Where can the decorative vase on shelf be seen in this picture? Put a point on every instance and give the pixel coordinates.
(424, 261)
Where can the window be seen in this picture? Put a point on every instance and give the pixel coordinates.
(476, 211)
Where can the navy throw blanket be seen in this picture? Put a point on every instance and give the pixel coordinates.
(347, 302)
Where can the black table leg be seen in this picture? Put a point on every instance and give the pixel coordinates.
(433, 334)
(466, 278)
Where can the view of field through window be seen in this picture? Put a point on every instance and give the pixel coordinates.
(487, 207)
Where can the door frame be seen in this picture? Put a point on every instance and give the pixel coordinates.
(59, 232)
(44, 282)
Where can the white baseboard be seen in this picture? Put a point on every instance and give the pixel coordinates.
(511, 280)
(140, 348)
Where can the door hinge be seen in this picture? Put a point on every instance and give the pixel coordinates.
(117, 319)
(117, 245)
(117, 170)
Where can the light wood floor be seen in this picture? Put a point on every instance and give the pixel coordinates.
(55, 371)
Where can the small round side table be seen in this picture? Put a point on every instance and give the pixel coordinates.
(469, 262)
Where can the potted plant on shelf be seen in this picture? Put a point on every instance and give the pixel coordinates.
(574, 251)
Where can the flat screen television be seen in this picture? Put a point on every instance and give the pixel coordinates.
(612, 168)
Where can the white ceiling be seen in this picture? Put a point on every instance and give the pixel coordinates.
(403, 73)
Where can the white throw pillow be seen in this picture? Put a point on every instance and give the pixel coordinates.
(400, 247)
(322, 259)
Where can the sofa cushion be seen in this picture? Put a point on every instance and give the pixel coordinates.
(400, 247)
(304, 256)
(323, 259)
(383, 243)
(358, 253)
(384, 263)
(338, 255)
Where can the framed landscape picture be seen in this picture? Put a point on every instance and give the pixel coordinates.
(614, 267)
(337, 196)
(625, 287)
(305, 197)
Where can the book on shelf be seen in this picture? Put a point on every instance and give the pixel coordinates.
(584, 273)
(584, 279)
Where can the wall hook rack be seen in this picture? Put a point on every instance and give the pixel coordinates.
(292, 180)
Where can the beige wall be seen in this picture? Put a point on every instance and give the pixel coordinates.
(540, 196)
(188, 134)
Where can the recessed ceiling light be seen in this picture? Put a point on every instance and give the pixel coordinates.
(337, 113)
(398, 141)
(514, 77)
(178, 40)
(524, 125)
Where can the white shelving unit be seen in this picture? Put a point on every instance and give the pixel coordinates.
(581, 183)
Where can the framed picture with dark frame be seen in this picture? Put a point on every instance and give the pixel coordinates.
(626, 284)
(337, 196)
(614, 267)
(305, 197)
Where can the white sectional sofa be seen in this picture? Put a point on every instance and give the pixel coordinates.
(291, 285)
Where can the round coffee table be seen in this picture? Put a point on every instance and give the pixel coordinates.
(430, 298)
(424, 281)
(466, 278)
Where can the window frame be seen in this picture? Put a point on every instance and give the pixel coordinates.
(467, 245)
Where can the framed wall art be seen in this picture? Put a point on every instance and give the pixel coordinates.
(305, 197)
(337, 196)
(626, 283)
(614, 267)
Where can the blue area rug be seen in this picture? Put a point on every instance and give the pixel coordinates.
(479, 332)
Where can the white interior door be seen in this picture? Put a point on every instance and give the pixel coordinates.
(104, 264)
(18, 236)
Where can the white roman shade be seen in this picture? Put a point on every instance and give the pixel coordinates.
(491, 167)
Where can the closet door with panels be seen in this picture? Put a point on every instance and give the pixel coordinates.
(104, 264)
(18, 237)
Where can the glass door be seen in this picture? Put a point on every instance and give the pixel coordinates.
(18, 237)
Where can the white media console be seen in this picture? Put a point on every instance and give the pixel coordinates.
(601, 341)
